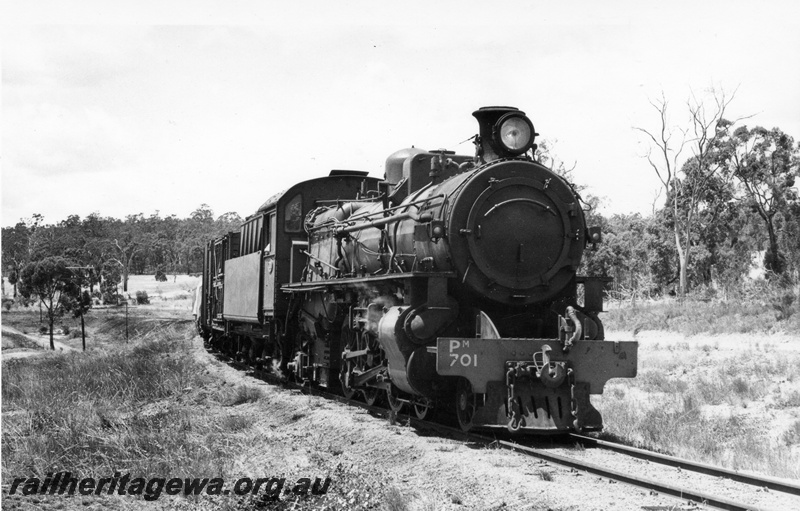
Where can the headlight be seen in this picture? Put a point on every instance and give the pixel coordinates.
(514, 133)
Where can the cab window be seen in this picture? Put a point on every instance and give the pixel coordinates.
(269, 233)
(293, 215)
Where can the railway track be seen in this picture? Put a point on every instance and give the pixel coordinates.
(680, 492)
(702, 468)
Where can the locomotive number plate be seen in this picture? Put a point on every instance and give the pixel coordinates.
(459, 353)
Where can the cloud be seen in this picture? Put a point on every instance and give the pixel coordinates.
(68, 56)
(49, 139)
(172, 115)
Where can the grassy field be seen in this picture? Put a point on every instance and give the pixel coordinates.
(140, 404)
(719, 380)
(769, 312)
(177, 290)
(147, 407)
(88, 414)
(106, 326)
(731, 400)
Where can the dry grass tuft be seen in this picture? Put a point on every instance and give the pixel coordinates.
(396, 501)
(544, 475)
(236, 423)
(240, 395)
(792, 435)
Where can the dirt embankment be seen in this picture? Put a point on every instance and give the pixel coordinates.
(17, 344)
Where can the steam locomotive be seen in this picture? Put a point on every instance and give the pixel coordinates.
(450, 285)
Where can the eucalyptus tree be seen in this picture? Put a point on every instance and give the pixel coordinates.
(765, 164)
(52, 281)
(686, 180)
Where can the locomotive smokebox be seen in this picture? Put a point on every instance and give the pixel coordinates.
(505, 132)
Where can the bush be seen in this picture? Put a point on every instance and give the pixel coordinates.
(161, 275)
(782, 303)
(142, 298)
(43, 329)
(110, 296)
(65, 329)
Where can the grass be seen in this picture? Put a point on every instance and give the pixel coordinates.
(236, 423)
(97, 413)
(183, 284)
(395, 500)
(241, 395)
(680, 428)
(792, 435)
(714, 409)
(695, 316)
(105, 328)
(733, 400)
(791, 400)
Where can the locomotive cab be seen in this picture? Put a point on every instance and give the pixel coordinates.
(244, 271)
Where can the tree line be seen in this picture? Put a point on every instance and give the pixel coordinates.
(108, 250)
(70, 265)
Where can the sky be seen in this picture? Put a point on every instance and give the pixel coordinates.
(120, 108)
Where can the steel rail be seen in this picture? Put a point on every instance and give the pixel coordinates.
(695, 466)
(641, 482)
(638, 481)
